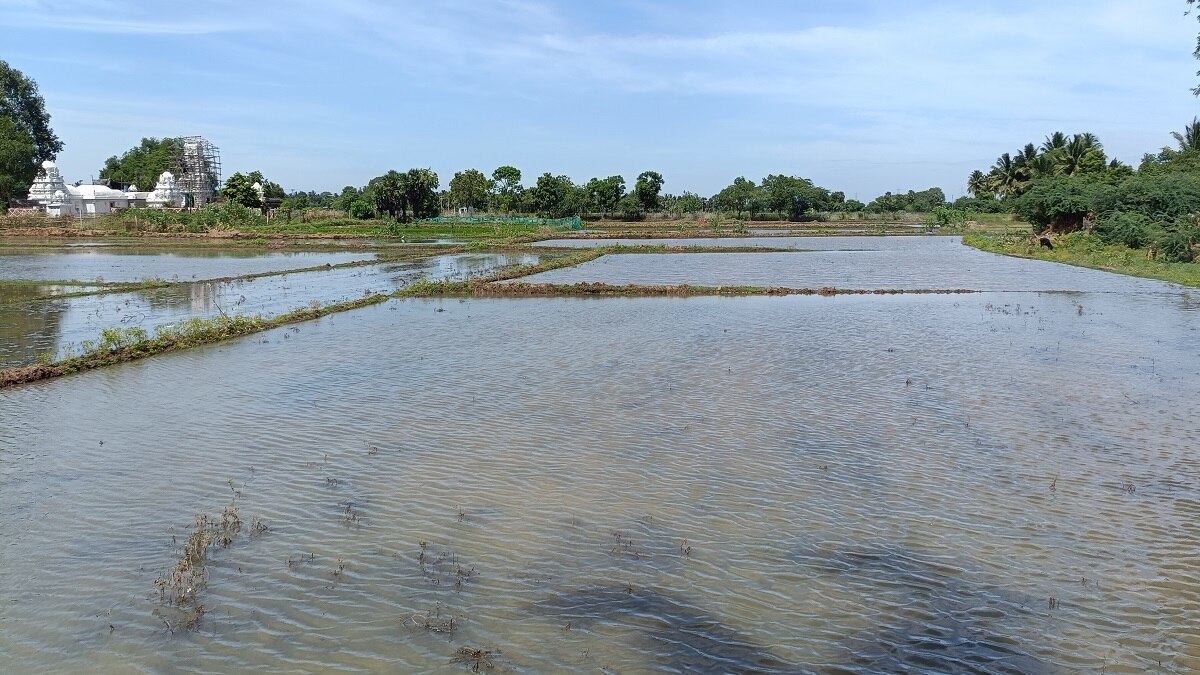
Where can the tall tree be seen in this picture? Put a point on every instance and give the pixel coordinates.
(421, 193)
(17, 162)
(740, 196)
(507, 187)
(1190, 138)
(1054, 141)
(978, 184)
(648, 188)
(553, 196)
(470, 188)
(239, 188)
(142, 164)
(605, 193)
(345, 198)
(1008, 176)
(791, 196)
(388, 194)
(21, 103)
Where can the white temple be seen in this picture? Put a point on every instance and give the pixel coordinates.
(59, 199)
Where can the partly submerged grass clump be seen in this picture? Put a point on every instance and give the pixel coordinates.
(484, 289)
(120, 345)
(1084, 250)
(179, 587)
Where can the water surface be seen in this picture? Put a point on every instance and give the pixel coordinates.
(187, 264)
(941, 265)
(1002, 482)
(810, 243)
(54, 326)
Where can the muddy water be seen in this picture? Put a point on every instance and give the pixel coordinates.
(1002, 482)
(91, 264)
(55, 326)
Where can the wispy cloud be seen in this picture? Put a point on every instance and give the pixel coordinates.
(701, 88)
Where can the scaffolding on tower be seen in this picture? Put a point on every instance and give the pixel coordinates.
(197, 170)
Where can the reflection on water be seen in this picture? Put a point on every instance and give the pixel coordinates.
(32, 328)
(87, 264)
(1003, 482)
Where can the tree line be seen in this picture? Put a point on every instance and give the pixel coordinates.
(1067, 184)
(417, 193)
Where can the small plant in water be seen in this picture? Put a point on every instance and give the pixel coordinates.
(476, 659)
(433, 622)
(258, 528)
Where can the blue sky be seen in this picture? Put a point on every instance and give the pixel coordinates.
(859, 95)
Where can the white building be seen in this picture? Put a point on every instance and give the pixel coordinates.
(59, 199)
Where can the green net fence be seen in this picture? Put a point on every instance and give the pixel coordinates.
(574, 222)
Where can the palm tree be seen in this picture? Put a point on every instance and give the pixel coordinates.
(1028, 154)
(1090, 140)
(1190, 138)
(1042, 165)
(1054, 141)
(1008, 175)
(978, 184)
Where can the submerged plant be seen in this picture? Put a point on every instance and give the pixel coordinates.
(181, 585)
(476, 659)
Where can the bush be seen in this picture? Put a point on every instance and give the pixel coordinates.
(1061, 204)
(1178, 245)
(1124, 228)
(1156, 196)
(947, 217)
(980, 205)
(361, 210)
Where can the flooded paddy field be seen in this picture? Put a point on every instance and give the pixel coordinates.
(184, 264)
(55, 325)
(1000, 482)
(831, 243)
(931, 267)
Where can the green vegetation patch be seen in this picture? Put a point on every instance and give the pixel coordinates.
(1090, 250)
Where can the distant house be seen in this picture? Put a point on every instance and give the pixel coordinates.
(59, 199)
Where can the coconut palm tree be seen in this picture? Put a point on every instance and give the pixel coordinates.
(1092, 141)
(1008, 176)
(1082, 154)
(1190, 138)
(1041, 166)
(979, 185)
(1053, 142)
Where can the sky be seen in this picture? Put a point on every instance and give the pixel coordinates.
(862, 96)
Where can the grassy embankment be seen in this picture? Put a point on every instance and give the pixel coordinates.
(118, 346)
(1083, 250)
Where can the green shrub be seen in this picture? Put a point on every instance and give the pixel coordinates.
(1124, 228)
(361, 210)
(1178, 244)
